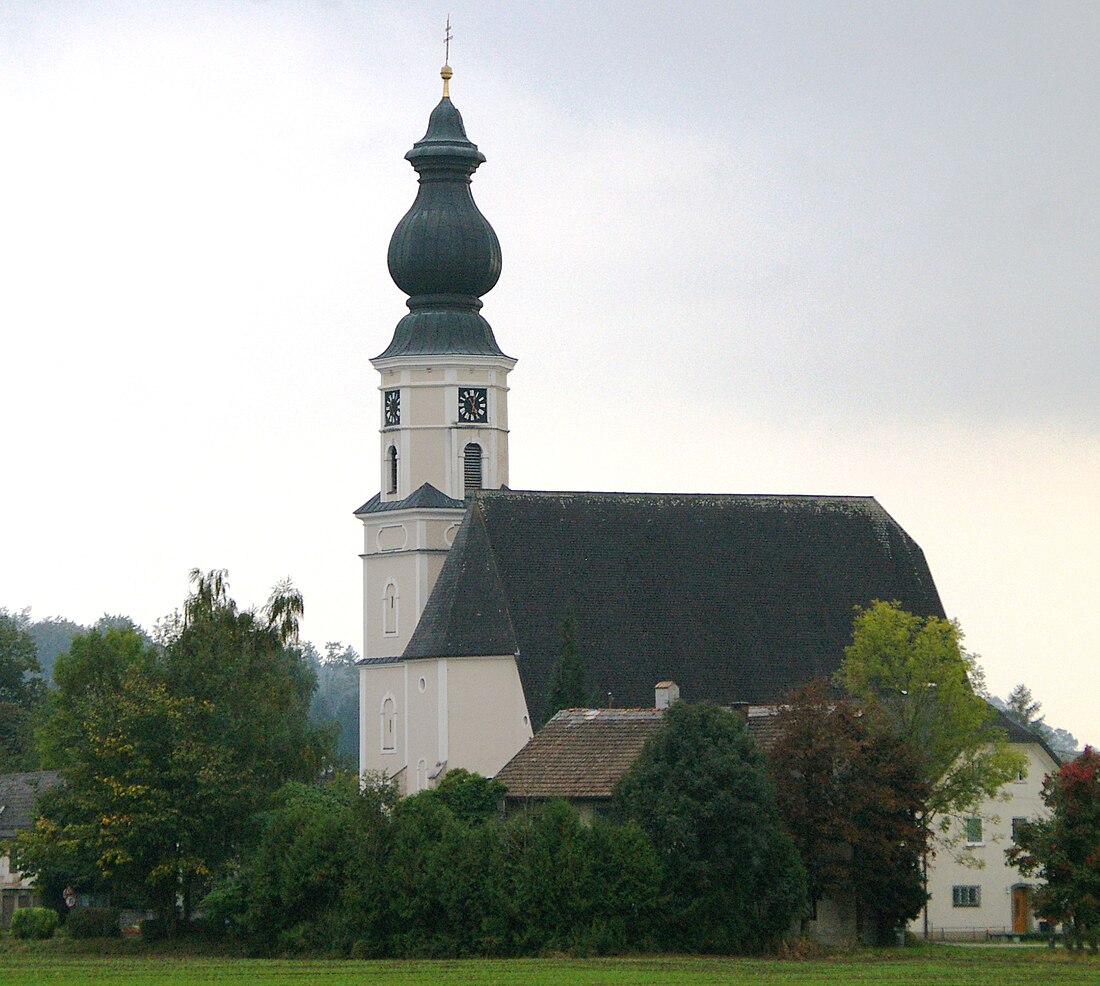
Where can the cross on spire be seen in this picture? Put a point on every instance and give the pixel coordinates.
(445, 73)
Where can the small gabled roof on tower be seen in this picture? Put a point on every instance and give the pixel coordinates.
(425, 497)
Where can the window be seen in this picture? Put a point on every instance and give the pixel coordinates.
(973, 831)
(471, 467)
(389, 610)
(389, 725)
(966, 896)
(1016, 823)
(391, 457)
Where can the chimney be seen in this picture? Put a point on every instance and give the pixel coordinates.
(667, 693)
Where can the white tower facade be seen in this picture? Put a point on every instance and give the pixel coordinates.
(443, 417)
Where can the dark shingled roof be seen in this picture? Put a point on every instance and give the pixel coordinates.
(1020, 734)
(17, 797)
(426, 497)
(582, 753)
(737, 598)
(466, 614)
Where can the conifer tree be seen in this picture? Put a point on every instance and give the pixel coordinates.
(568, 688)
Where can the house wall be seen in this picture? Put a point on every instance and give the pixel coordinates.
(983, 865)
(15, 891)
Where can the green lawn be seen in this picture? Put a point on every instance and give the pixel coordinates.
(939, 965)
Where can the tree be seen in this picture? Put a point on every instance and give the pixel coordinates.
(913, 674)
(1064, 849)
(169, 752)
(851, 802)
(1021, 708)
(21, 693)
(732, 880)
(568, 689)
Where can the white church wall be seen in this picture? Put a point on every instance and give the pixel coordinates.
(488, 720)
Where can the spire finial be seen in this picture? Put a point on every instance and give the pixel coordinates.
(445, 72)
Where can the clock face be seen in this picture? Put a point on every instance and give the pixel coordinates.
(473, 404)
(393, 407)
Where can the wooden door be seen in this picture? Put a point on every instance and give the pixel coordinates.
(1020, 908)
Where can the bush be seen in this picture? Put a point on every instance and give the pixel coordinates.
(34, 922)
(153, 929)
(93, 922)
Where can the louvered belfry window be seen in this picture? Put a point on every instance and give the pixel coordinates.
(471, 467)
(393, 469)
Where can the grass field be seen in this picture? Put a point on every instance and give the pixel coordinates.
(940, 965)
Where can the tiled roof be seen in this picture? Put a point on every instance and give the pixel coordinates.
(579, 753)
(736, 598)
(17, 796)
(582, 753)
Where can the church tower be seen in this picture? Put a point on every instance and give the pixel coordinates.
(442, 407)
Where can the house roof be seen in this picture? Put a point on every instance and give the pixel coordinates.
(18, 793)
(1021, 734)
(737, 598)
(582, 753)
(579, 753)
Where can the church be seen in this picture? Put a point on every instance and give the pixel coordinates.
(468, 583)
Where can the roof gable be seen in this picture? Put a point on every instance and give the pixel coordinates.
(466, 614)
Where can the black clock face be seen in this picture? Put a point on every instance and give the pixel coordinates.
(473, 404)
(393, 407)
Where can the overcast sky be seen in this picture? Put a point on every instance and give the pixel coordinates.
(843, 248)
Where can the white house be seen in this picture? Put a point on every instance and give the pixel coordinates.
(974, 893)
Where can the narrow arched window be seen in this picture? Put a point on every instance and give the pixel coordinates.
(391, 468)
(389, 725)
(471, 467)
(389, 610)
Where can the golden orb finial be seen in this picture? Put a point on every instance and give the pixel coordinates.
(445, 74)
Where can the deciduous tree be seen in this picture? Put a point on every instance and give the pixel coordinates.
(21, 693)
(852, 802)
(913, 674)
(1063, 849)
(168, 752)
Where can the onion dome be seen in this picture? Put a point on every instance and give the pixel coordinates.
(443, 253)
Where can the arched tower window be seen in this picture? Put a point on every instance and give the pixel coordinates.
(389, 725)
(391, 468)
(471, 467)
(389, 610)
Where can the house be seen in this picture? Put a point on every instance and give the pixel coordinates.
(974, 893)
(581, 754)
(18, 793)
